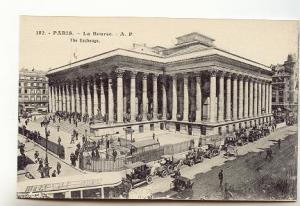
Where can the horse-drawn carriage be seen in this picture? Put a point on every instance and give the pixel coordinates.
(140, 174)
(194, 157)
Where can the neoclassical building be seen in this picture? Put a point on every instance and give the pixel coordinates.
(193, 88)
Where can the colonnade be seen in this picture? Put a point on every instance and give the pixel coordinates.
(230, 96)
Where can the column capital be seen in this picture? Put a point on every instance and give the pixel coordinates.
(133, 74)
(119, 73)
(154, 75)
(213, 72)
(241, 77)
(234, 75)
(221, 73)
(198, 74)
(145, 75)
(228, 74)
(246, 78)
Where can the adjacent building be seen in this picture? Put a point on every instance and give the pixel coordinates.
(285, 87)
(192, 87)
(33, 90)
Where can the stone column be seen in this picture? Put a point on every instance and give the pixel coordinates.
(246, 99)
(83, 104)
(234, 97)
(77, 97)
(263, 92)
(102, 97)
(185, 98)
(89, 97)
(198, 98)
(212, 96)
(51, 89)
(228, 97)
(241, 95)
(54, 99)
(145, 98)
(132, 96)
(155, 96)
(270, 98)
(164, 95)
(95, 96)
(267, 98)
(50, 97)
(72, 95)
(110, 99)
(259, 99)
(174, 102)
(63, 97)
(251, 98)
(255, 98)
(221, 98)
(67, 98)
(119, 74)
(57, 93)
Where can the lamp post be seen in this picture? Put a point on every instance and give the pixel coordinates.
(46, 134)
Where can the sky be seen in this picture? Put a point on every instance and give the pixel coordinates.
(264, 41)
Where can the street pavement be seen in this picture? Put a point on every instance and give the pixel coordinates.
(31, 147)
(163, 184)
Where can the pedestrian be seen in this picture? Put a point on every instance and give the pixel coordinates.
(115, 154)
(36, 156)
(83, 139)
(76, 123)
(73, 159)
(58, 167)
(72, 139)
(269, 154)
(279, 143)
(153, 136)
(53, 173)
(58, 128)
(47, 170)
(221, 176)
(77, 153)
(59, 140)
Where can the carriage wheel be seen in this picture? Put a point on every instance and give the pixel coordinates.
(170, 168)
(181, 187)
(164, 173)
(129, 186)
(149, 180)
(191, 163)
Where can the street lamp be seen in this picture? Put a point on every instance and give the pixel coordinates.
(46, 134)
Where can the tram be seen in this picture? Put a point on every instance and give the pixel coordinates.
(87, 186)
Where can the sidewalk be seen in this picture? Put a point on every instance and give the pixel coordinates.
(54, 134)
(31, 147)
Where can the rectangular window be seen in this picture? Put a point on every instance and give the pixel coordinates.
(25, 91)
(75, 194)
(92, 193)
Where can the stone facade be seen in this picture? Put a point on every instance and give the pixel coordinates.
(193, 88)
(33, 90)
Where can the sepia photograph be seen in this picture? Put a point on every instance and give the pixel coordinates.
(157, 108)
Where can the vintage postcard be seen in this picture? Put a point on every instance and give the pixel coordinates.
(157, 108)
